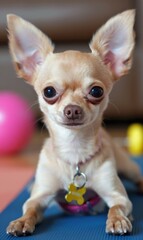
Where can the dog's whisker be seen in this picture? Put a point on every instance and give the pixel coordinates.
(34, 104)
(38, 120)
(42, 128)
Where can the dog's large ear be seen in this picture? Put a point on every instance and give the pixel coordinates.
(28, 46)
(114, 42)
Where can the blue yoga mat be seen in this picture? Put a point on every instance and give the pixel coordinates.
(58, 225)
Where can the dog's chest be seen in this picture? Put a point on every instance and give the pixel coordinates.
(76, 151)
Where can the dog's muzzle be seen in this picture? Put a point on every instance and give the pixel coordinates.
(73, 115)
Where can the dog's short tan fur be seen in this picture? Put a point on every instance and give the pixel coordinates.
(73, 74)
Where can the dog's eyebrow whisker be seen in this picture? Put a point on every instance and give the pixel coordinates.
(114, 106)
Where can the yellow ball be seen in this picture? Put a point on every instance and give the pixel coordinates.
(135, 139)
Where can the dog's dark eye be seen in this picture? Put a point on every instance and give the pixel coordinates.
(96, 92)
(50, 92)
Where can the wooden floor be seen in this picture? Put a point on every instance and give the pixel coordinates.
(15, 171)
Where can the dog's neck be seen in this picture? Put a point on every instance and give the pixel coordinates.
(75, 146)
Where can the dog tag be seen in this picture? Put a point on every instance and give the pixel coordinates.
(77, 189)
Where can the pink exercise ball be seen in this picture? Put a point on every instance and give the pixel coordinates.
(16, 123)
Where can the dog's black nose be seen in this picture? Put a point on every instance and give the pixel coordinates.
(73, 112)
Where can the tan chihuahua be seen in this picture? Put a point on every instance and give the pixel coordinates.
(73, 90)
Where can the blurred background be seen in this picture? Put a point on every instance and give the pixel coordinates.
(70, 25)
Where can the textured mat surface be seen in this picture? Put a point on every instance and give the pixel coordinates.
(59, 226)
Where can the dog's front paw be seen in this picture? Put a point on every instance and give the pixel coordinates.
(118, 225)
(21, 227)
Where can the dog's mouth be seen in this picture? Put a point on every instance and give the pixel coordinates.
(72, 124)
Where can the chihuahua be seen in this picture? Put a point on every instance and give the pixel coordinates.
(73, 89)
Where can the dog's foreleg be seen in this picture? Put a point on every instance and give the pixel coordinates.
(33, 210)
(110, 188)
(120, 207)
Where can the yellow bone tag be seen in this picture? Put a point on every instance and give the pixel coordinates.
(75, 194)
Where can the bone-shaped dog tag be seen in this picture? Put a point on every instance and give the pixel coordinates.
(75, 194)
(77, 189)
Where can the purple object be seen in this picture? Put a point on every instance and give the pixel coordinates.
(89, 207)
